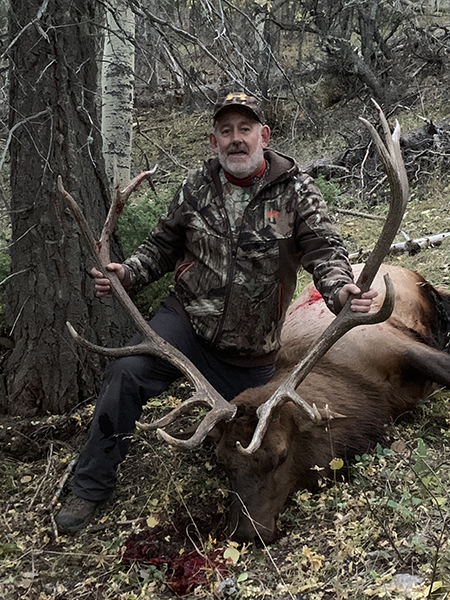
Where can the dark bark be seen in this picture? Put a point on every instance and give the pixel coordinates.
(53, 86)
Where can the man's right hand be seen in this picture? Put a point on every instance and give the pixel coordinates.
(101, 283)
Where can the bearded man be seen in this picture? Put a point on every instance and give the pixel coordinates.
(236, 234)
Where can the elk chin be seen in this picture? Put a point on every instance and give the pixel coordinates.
(243, 528)
(254, 509)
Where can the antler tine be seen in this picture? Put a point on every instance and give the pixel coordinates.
(391, 157)
(152, 343)
(118, 202)
(206, 425)
(172, 416)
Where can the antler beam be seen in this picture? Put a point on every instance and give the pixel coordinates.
(152, 343)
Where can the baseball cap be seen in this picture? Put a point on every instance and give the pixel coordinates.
(240, 99)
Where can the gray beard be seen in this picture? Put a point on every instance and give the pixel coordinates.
(242, 171)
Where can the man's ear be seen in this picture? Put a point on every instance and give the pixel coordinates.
(213, 143)
(265, 135)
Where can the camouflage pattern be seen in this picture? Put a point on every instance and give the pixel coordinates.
(236, 289)
(242, 100)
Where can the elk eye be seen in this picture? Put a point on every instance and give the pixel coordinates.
(282, 457)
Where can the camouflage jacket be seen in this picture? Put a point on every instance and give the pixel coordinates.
(236, 289)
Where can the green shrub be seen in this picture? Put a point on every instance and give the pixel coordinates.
(329, 189)
(139, 217)
(5, 262)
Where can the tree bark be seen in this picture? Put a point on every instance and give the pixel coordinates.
(53, 87)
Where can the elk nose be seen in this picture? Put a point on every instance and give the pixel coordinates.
(244, 529)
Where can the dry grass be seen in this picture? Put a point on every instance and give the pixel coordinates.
(349, 541)
(365, 538)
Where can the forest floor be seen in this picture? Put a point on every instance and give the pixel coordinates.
(384, 533)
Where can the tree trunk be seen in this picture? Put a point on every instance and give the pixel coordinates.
(117, 87)
(53, 86)
(263, 55)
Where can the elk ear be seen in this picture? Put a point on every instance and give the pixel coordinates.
(215, 434)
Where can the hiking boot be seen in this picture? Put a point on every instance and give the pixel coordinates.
(75, 514)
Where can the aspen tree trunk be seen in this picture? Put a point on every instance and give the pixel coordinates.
(118, 90)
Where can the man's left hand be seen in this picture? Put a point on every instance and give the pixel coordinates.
(361, 304)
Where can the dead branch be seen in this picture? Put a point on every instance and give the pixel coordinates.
(410, 246)
(356, 213)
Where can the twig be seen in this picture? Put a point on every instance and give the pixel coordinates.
(356, 213)
(62, 483)
(13, 275)
(439, 543)
(57, 494)
(11, 131)
(34, 21)
(377, 185)
(170, 156)
(22, 308)
(384, 527)
(267, 550)
(362, 168)
(47, 470)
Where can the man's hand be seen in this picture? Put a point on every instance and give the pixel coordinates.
(362, 304)
(102, 285)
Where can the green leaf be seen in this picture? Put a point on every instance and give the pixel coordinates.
(422, 450)
(154, 403)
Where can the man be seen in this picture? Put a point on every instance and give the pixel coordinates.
(235, 234)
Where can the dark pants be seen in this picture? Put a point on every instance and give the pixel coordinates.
(130, 382)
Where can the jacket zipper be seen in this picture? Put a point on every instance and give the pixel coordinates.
(233, 253)
(230, 275)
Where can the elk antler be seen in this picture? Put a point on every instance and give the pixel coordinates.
(391, 157)
(152, 343)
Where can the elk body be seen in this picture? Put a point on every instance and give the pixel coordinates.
(368, 378)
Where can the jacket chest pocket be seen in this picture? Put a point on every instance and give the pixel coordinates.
(271, 221)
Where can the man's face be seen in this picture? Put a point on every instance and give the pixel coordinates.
(238, 140)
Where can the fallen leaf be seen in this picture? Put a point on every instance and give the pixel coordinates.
(232, 554)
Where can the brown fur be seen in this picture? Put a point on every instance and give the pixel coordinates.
(371, 376)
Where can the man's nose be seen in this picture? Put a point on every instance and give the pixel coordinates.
(236, 136)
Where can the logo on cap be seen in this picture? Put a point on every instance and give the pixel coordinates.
(243, 100)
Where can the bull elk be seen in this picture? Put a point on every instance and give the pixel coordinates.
(346, 375)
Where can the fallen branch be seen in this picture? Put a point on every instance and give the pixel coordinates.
(356, 213)
(409, 246)
(427, 142)
(57, 494)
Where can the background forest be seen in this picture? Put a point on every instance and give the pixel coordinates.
(85, 81)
